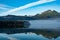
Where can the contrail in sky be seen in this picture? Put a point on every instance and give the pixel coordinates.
(27, 6)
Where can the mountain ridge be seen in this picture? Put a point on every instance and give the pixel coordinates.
(43, 15)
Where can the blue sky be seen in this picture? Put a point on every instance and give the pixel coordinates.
(27, 7)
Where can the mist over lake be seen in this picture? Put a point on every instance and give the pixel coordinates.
(45, 23)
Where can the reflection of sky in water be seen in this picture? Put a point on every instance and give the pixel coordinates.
(24, 36)
(28, 36)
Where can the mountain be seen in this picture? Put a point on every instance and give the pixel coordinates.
(43, 15)
(48, 14)
(13, 17)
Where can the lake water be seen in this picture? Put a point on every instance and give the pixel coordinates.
(26, 36)
(39, 34)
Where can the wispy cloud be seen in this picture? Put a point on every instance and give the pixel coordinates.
(5, 7)
(28, 5)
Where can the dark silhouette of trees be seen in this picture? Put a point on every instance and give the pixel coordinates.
(13, 24)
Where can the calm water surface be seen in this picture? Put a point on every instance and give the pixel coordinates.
(25, 36)
(38, 35)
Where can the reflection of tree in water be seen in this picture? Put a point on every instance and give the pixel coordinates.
(48, 34)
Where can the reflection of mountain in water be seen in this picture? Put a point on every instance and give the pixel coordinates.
(32, 32)
(49, 34)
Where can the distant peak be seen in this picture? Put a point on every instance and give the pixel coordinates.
(51, 11)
